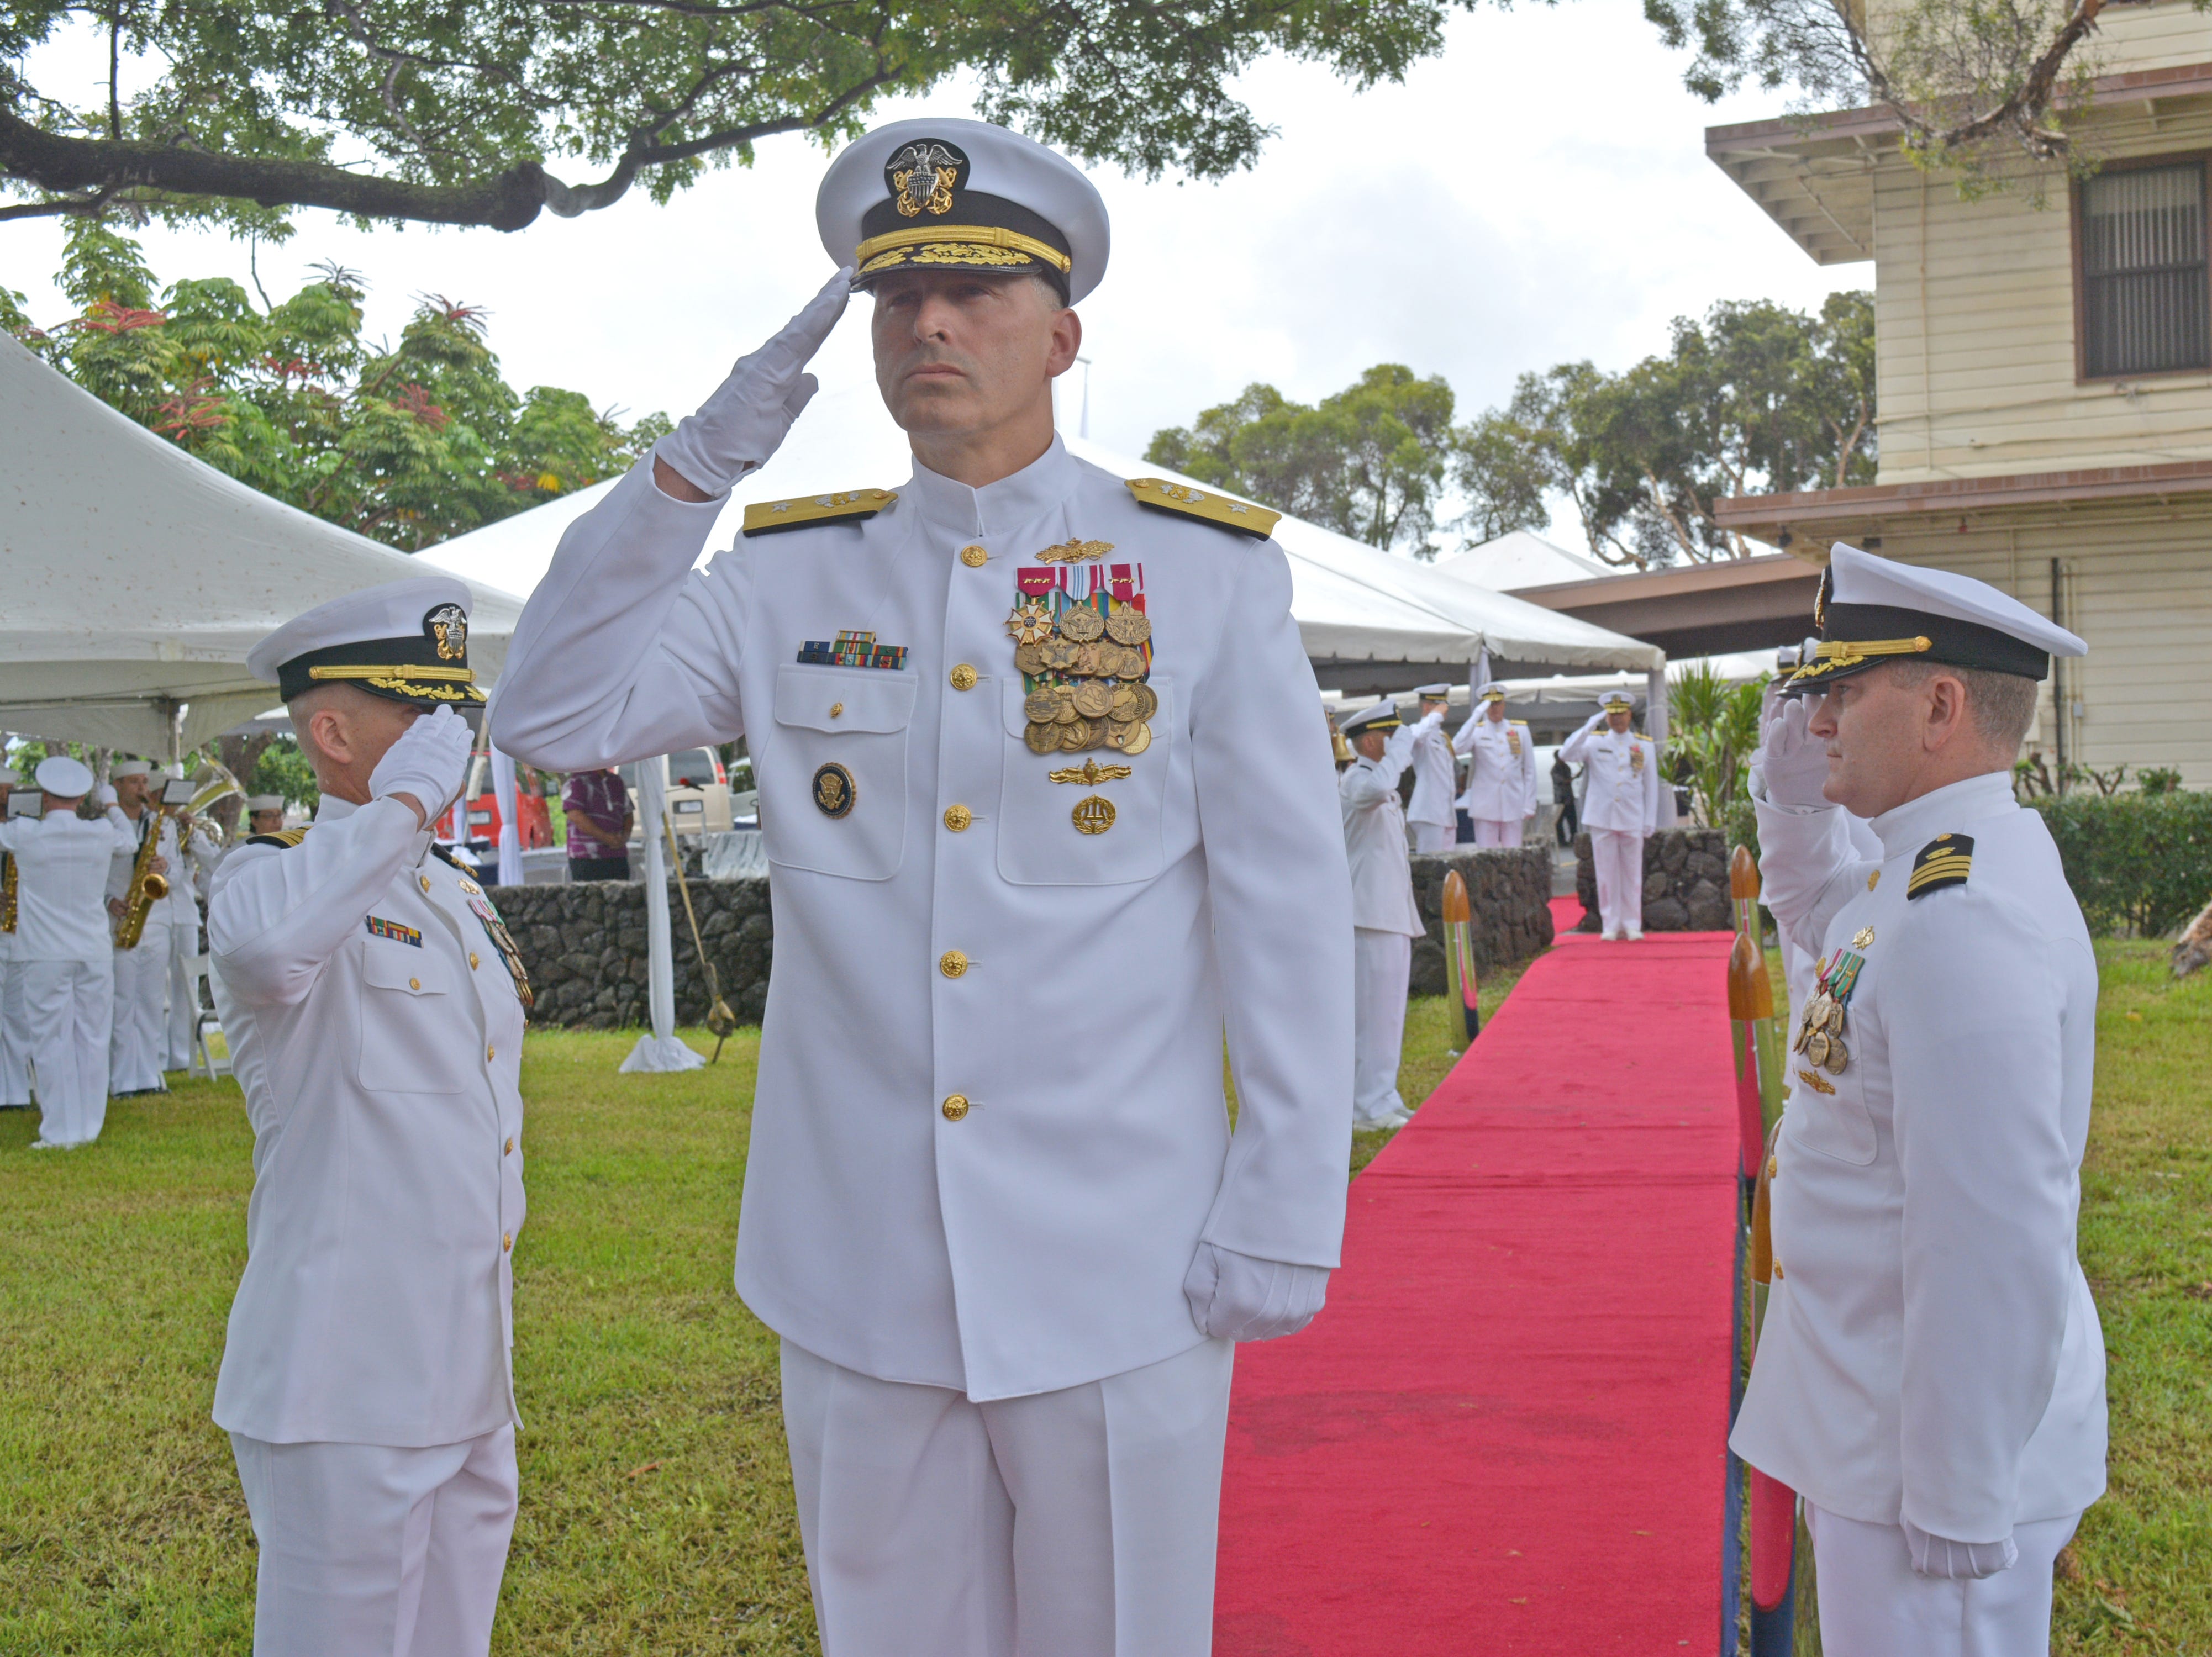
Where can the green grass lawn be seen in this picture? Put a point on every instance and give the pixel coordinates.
(656, 1508)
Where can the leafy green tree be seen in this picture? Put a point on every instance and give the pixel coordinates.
(1369, 462)
(410, 444)
(1712, 727)
(1499, 469)
(283, 769)
(453, 114)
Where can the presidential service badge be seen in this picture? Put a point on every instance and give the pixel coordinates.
(923, 176)
(834, 791)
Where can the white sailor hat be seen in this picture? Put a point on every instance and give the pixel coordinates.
(1383, 716)
(405, 640)
(264, 803)
(962, 195)
(63, 777)
(1872, 609)
(1618, 701)
(1491, 692)
(123, 768)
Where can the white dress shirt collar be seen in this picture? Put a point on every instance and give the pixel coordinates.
(334, 810)
(997, 508)
(1955, 805)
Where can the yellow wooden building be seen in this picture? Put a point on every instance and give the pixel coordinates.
(2046, 380)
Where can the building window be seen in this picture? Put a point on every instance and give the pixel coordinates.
(2144, 286)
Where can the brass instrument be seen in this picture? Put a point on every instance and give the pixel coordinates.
(146, 888)
(7, 891)
(212, 782)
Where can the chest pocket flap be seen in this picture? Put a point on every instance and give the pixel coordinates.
(833, 781)
(410, 971)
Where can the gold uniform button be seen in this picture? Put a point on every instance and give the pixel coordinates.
(1778, 1271)
(491, 1052)
(414, 983)
(836, 709)
(962, 677)
(425, 879)
(507, 1243)
(955, 1107)
(510, 1147)
(473, 960)
(958, 817)
(973, 557)
(953, 964)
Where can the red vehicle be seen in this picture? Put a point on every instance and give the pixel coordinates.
(477, 824)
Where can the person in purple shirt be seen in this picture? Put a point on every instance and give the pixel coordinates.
(597, 805)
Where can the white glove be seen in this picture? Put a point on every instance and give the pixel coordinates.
(106, 795)
(430, 761)
(1431, 720)
(1792, 765)
(1243, 1298)
(743, 422)
(1958, 1561)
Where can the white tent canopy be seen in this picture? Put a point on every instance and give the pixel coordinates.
(136, 578)
(1518, 559)
(1369, 619)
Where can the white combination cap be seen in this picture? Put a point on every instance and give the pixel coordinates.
(61, 775)
(1433, 692)
(405, 640)
(962, 195)
(1383, 716)
(1491, 692)
(1619, 701)
(1872, 609)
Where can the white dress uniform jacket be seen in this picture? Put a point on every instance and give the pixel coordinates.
(377, 1033)
(1620, 778)
(1374, 838)
(62, 862)
(1501, 777)
(1435, 780)
(1931, 1352)
(1039, 1238)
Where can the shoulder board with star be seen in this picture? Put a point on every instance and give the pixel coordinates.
(283, 840)
(1222, 510)
(1946, 860)
(803, 511)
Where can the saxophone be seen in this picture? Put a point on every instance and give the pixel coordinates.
(7, 891)
(146, 888)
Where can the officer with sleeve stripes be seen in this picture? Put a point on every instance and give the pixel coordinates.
(1930, 1377)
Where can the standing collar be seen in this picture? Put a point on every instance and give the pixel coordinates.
(1955, 805)
(331, 809)
(999, 508)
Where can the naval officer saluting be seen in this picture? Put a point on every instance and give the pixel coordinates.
(1385, 919)
(1620, 809)
(1043, 789)
(1501, 773)
(1930, 1377)
(1430, 814)
(374, 1010)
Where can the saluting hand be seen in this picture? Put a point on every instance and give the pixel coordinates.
(1792, 764)
(745, 421)
(427, 766)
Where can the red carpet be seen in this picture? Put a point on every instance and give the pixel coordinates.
(1505, 1434)
(1567, 914)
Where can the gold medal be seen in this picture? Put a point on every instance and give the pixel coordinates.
(1074, 737)
(1041, 706)
(1834, 1022)
(1058, 655)
(1094, 733)
(1837, 1059)
(1123, 707)
(1042, 739)
(1081, 624)
(1128, 626)
(1132, 739)
(1816, 1048)
(1063, 699)
(1031, 623)
(1093, 697)
(1089, 662)
(1029, 660)
(1148, 702)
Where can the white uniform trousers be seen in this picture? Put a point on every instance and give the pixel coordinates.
(1619, 855)
(1490, 833)
(14, 1040)
(141, 1039)
(69, 1009)
(1381, 965)
(1433, 836)
(1075, 1523)
(1874, 1604)
(184, 1002)
(368, 1551)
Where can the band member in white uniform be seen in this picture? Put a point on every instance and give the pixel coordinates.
(374, 1008)
(265, 814)
(196, 857)
(1430, 817)
(1385, 919)
(140, 1043)
(65, 952)
(1501, 773)
(15, 1054)
(1930, 1378)
(1011, 703)
(1620, 809)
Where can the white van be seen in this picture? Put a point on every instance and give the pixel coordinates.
(698, 792)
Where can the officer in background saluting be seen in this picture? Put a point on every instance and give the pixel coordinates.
(1501, 773)
(1042, 784)
(374, 1008)
(1431, 819)
(1931, 1375)
(1385, 919)
(1620, 809)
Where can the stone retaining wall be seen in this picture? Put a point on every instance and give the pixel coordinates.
(1509, 893)
(583, 944)
(1685, 882)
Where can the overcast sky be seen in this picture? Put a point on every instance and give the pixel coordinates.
(1537, 193)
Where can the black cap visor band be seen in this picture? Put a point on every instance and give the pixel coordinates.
(394, 669)
(1951, 642)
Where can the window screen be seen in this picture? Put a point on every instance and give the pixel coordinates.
(2143, 280)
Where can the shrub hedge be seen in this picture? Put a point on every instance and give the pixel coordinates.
(2143, 861)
